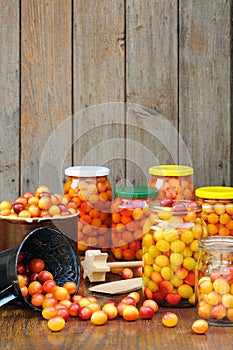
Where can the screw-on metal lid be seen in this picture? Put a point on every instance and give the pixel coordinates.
(87, 171)
(136, 192)
(171, 170)
(215, 192)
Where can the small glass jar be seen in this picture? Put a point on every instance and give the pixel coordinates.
(170, 252)
(217, 209)
(129, 212)
(214, 284)
(172, 181)
(90, 189)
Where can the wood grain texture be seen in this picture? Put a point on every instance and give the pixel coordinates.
(205, 89)
(24, 328)
(46, 128)
(151, 82)
(98, 65)
(126, 84)
(9, 105)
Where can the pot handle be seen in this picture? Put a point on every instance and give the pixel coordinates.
(6, 296)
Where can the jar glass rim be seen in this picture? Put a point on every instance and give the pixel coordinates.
(197, 208)
(216, 242)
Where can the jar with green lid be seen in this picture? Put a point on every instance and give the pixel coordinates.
(217, 209)
(170, 252)
(129, 212)
(90, 190)
(214, 280)
(172, 181)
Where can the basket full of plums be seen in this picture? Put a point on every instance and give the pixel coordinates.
(36, 209)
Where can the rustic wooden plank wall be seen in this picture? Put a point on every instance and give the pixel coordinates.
(121, 83)
(151, 82)
(205, 88)
(10, 99)
(46, 91)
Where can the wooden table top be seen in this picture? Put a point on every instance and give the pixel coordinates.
(23, 328)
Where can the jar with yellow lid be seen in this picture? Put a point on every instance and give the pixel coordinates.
(129, 212)
(170, 252)
(90, 188)
(172, 181)
(217, 209)
(214, 280)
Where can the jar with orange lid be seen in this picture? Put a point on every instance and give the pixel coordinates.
(217, 209)
(214, 280)
(170, 252)
(173, 181)
(90, 189)
(129, 212)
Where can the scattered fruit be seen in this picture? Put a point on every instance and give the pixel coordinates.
(126, 273)
(146, 312)
(99, 318)
(151, 303)
(169, 319)
(200, 326)
(85, 313)
(58, 303)
(130, 313)
(56, 323)
(135, 295)
(111, 310)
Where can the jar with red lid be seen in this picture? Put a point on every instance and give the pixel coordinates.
(129, 212)
(170, 252)
(172, 181)
(90, 189)
(217, 209)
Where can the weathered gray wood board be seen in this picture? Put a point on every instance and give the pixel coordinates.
(99, 85)
(124, 84)
(45, 92)
(151, 82)
(9, 99)
(205, 88)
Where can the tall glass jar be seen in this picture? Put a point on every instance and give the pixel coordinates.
(214, 280)
(129, 212)
(170, 252)
(90, 189)
(217, 209)
(172, 181)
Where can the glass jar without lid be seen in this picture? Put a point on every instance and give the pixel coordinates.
(172, 181)
(217, 209)
(170, 252)
(214, 280)
(90, 189)
(129, 212)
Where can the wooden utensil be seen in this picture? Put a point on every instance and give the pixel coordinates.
(118, 287)
(95, 265)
